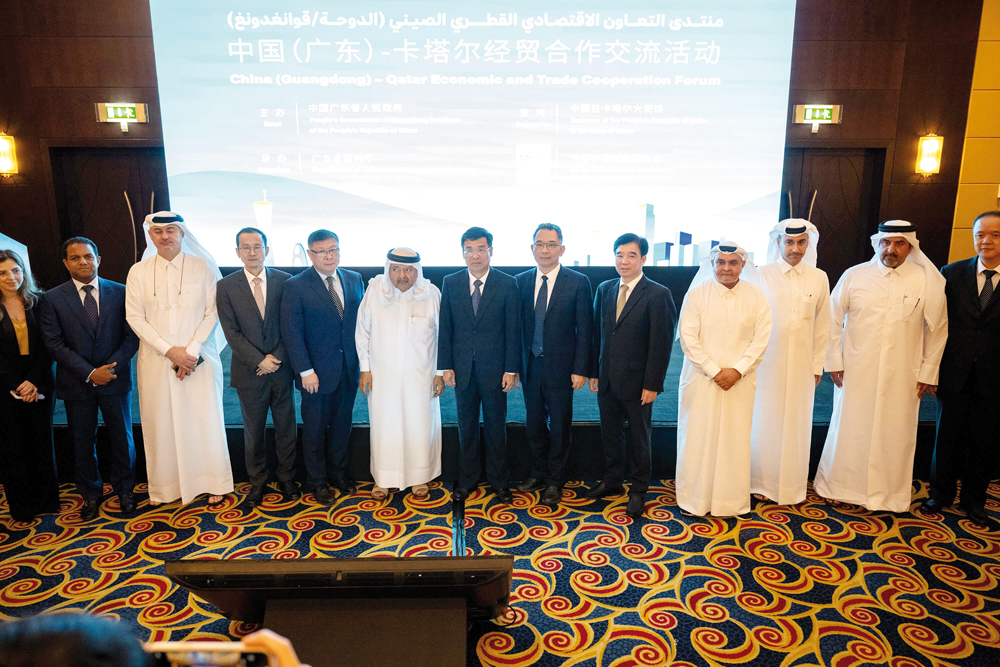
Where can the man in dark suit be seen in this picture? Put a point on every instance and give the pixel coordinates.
(84, 328)
(557, 318)
(968, 422)
(633, 334)
(479, 350)
(319, 312)
(250, 314)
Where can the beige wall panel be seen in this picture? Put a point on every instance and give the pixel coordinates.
(961, 244)
(973, 199)
(980, 163)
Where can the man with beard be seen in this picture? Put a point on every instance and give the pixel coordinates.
(888, 332)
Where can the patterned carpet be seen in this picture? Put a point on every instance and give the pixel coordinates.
(794, 586)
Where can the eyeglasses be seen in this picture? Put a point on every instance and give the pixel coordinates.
(551, 245)
(248, 248)
(472, 252)
(332, 252)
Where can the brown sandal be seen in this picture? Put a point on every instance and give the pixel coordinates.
(380, 493)
(420, 491)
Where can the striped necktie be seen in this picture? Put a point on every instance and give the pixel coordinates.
(336, 297)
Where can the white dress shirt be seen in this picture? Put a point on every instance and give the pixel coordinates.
(263, 282)
(96, 291)
(551, 275)
(631, 287)
(981, 279)
(473, 279)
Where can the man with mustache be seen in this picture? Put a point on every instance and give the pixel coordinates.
(397, 343)
(888, 332)
(799, 295)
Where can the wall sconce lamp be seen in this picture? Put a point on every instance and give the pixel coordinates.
(929, 154)
(8, 158)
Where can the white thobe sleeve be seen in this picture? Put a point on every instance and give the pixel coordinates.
(821, 328)
(210, 318)
(363, 332)
(754, 353)
(934, 342)
(135, 313)
(840, 301)
(689, 332)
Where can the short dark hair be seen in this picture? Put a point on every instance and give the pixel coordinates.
(986, 214)
(78, 239)
(549, 226)
(322, 235)
(633, 238)
(70, 640)
(250, 230)
(473, 233)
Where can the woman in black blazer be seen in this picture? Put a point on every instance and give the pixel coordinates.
(27, 457)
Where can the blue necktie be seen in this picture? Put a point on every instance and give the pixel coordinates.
(477, 296)
(541, 303)
(90, 307)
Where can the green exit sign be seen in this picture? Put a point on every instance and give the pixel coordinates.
(823, 114)
(121, 112)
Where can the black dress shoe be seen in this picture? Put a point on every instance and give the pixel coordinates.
(504, 496)
(551, 496)
(636, 504)
(530, 484)
(978, 516)
(602, 490)
(127, 502)
(290, 490)
(459, 494)
(343, 486)
(933, 505)
(323, 495)
(89, 510)
(256, 495)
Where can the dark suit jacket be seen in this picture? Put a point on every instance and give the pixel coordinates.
(35, 367)
(569, 321)
(973, 335)
(491, 336)
(77, 351)
(251, 337)
(632, 354)
(312, 332)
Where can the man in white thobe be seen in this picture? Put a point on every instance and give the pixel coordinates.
(889, 325)
(170, 304)
(799, 295)
(397, 352)
(724, 327)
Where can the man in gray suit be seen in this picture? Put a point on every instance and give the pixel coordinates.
(249, 304)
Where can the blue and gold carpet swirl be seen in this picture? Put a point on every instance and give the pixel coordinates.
(807, 585)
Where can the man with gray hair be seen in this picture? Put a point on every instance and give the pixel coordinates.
(889, 325)
(396, 339)
(724, 328)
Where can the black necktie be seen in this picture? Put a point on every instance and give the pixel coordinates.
(477, 295)
(541, 303)
(987, 293)
(90, 307)
(336, 297)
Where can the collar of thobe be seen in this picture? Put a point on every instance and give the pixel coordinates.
(175, 263)
(786, 267)
(551, 275)
(251, 277)
(725, 291)
(903, 269)
(94, 283)
(631, 284)
(473, 279)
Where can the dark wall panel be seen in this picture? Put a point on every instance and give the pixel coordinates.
(883, 20)
(839, 64)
